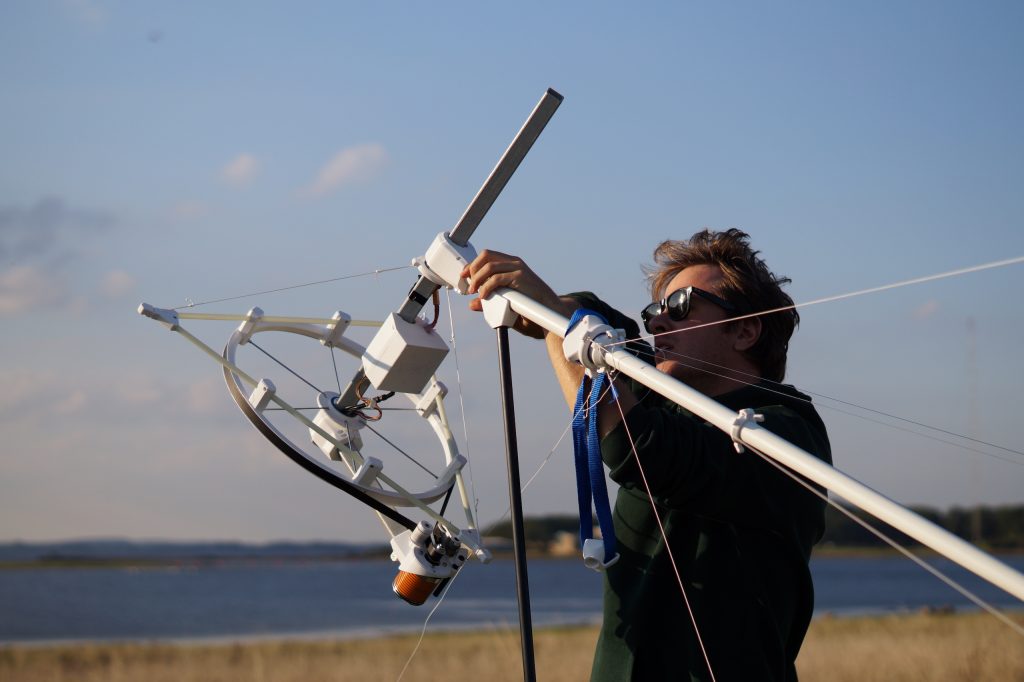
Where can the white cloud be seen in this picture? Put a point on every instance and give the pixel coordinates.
(88, 12)
(207, 395)
(926, 310)
(190, 208)
(241, 170)
(349, 165)
(136, 390)
(25, 288)
(117, 284)
(24, 387)
(71, 403)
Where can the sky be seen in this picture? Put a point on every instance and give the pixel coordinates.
(177, 153)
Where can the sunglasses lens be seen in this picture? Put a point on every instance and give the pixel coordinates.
(649, 313)
(678, 304)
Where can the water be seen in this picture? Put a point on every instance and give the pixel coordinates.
(354, 598)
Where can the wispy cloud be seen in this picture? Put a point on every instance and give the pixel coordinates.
(925, 310)
(117, 284)
(25, 288)
(241, 170)
(33, 231)
(352, 164)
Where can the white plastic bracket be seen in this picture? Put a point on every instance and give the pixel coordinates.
(426, 403)
(743, 418)
(456, 465)
(261, 395)
(248, 327)
(164, 316)
(334, 334)
(587, 342)
(367, 472)
(471, 538)
(593, 555)
(498, 312)
(444, 262)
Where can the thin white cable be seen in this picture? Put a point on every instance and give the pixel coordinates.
(192, 304)
(462, 407)
(547, 458)
(423, 632)
(854, 414)
(895, 545)
(852, 294)
(661, 529)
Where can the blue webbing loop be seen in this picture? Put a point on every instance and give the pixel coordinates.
(590, 483)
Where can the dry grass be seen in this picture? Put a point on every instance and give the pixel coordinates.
(913, 648)
(937, 648)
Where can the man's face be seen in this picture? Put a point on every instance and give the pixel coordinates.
(680, 353)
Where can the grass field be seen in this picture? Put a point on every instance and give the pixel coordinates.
(919, 647)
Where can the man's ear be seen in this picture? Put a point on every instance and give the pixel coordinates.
(748, 331)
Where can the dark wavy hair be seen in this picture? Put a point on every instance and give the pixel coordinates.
(748, 284)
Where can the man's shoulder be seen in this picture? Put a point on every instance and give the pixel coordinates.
(787, 412)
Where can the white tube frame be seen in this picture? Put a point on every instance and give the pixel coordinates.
(787, 454)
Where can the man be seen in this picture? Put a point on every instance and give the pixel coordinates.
(739, 530)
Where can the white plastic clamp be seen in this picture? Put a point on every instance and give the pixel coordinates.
(335, 332)
(587, 342)
(593, 555)
(248, 327)
(444, 262)
(426, 402)
(743, 418)
(261, 395)
(367, 472)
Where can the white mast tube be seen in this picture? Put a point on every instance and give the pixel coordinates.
(784, 452)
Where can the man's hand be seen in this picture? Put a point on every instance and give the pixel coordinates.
(491, 270)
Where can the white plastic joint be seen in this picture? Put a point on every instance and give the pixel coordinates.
(335, 332)
(164, 316)
(743, 418)
(444, 262)
(261, 395)
(498, 312)
(248, 327)
(587, 343)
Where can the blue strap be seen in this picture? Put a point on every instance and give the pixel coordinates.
(590, 483)
(597, 484)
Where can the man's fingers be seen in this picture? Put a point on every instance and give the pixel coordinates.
(495, 281)
(487, 271)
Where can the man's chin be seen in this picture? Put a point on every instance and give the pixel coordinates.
(675, 370)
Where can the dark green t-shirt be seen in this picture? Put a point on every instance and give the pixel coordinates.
(740, 531)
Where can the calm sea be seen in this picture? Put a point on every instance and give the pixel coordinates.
(354, 598)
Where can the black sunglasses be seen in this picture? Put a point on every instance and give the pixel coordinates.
(678, 305)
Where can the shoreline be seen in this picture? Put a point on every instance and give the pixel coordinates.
(191, 562)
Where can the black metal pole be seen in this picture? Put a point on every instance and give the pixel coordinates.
(516, 504)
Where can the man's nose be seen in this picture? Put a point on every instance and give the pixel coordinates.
(659, 323)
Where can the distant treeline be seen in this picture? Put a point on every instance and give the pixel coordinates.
(539, 530)
(998, 528)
